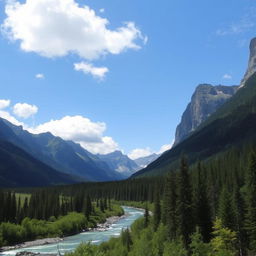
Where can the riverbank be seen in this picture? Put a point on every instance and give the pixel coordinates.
(45, 241)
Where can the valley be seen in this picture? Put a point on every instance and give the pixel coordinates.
(68, 188)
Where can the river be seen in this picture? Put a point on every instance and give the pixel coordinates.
(95, 237)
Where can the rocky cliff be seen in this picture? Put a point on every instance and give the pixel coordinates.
(252, 62)
(205, 100)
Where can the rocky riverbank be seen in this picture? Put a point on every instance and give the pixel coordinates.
(100, 227)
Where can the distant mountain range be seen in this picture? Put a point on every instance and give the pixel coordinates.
(230, 127)
(63, 156)
(64, 162)
(143, 162)
(120, 163)
(217, 119)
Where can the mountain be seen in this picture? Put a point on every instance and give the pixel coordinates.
(251, 63)
(231, 127)
(120, 163)
(145, 161)
(66, 157)
(205, 100)
(19, 169)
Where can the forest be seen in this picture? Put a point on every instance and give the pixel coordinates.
(207, 208)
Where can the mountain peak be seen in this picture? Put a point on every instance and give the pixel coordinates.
(205, 100)
(252, 62)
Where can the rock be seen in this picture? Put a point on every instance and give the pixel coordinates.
(205, 101)
(252, 62)
(25, 253)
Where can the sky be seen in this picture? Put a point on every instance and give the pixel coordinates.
(117, 75)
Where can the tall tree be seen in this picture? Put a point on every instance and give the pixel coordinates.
(202, 207)
(238, 203)
(184, 203)
(146, 216)
(226, 210)
(251, 201)
(157, 210)
(170, 206)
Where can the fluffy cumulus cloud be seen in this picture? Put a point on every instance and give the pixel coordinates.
(87, 68)
(4, 104)
(143, 152)
(55, 28)
(24, 110)
(81, 130)
(140, 152)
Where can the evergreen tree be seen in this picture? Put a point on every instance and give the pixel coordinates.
(202, 207)
(251, 201)
(157, 210)
(88, 207)
(226, 210)
(146, 216)
(170, 206)
(238, 203)
(184, 204)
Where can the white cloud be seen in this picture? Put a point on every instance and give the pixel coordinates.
(24, 110)
(143, 152)
(165, 148)
(87, 68)
(55, 28)
(6, 115)
(81, 130)
(227, 76)
(4, 104)
(102, 10)
(39, 76)
(140, 152)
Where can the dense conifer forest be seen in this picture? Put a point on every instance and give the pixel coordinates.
(207, 208)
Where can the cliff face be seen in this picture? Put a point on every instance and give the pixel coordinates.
(205, 100)
(252, 62)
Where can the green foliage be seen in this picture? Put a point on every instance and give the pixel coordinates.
(223, 243)
(202, 206)
(143, 246)
(251, 201)
(157, 210)
(184, 204)
(174, 248)
(159, 238)
(226, 210)
(197, 246)
(86, 250)
(170, 206)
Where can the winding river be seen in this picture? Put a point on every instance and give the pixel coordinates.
(95, 237)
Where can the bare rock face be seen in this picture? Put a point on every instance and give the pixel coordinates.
(252, 62)
(205, 100)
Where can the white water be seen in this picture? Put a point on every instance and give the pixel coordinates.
(95, 237)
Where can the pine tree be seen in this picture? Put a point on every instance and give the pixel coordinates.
(170, 206)
(202, 207)
(251, 201)
(239, 221)
(157, 210)
(146, 216)
(226, 210)
(184, 204)
(88, 207)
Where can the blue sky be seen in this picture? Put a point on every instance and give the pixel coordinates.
(167, 49)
